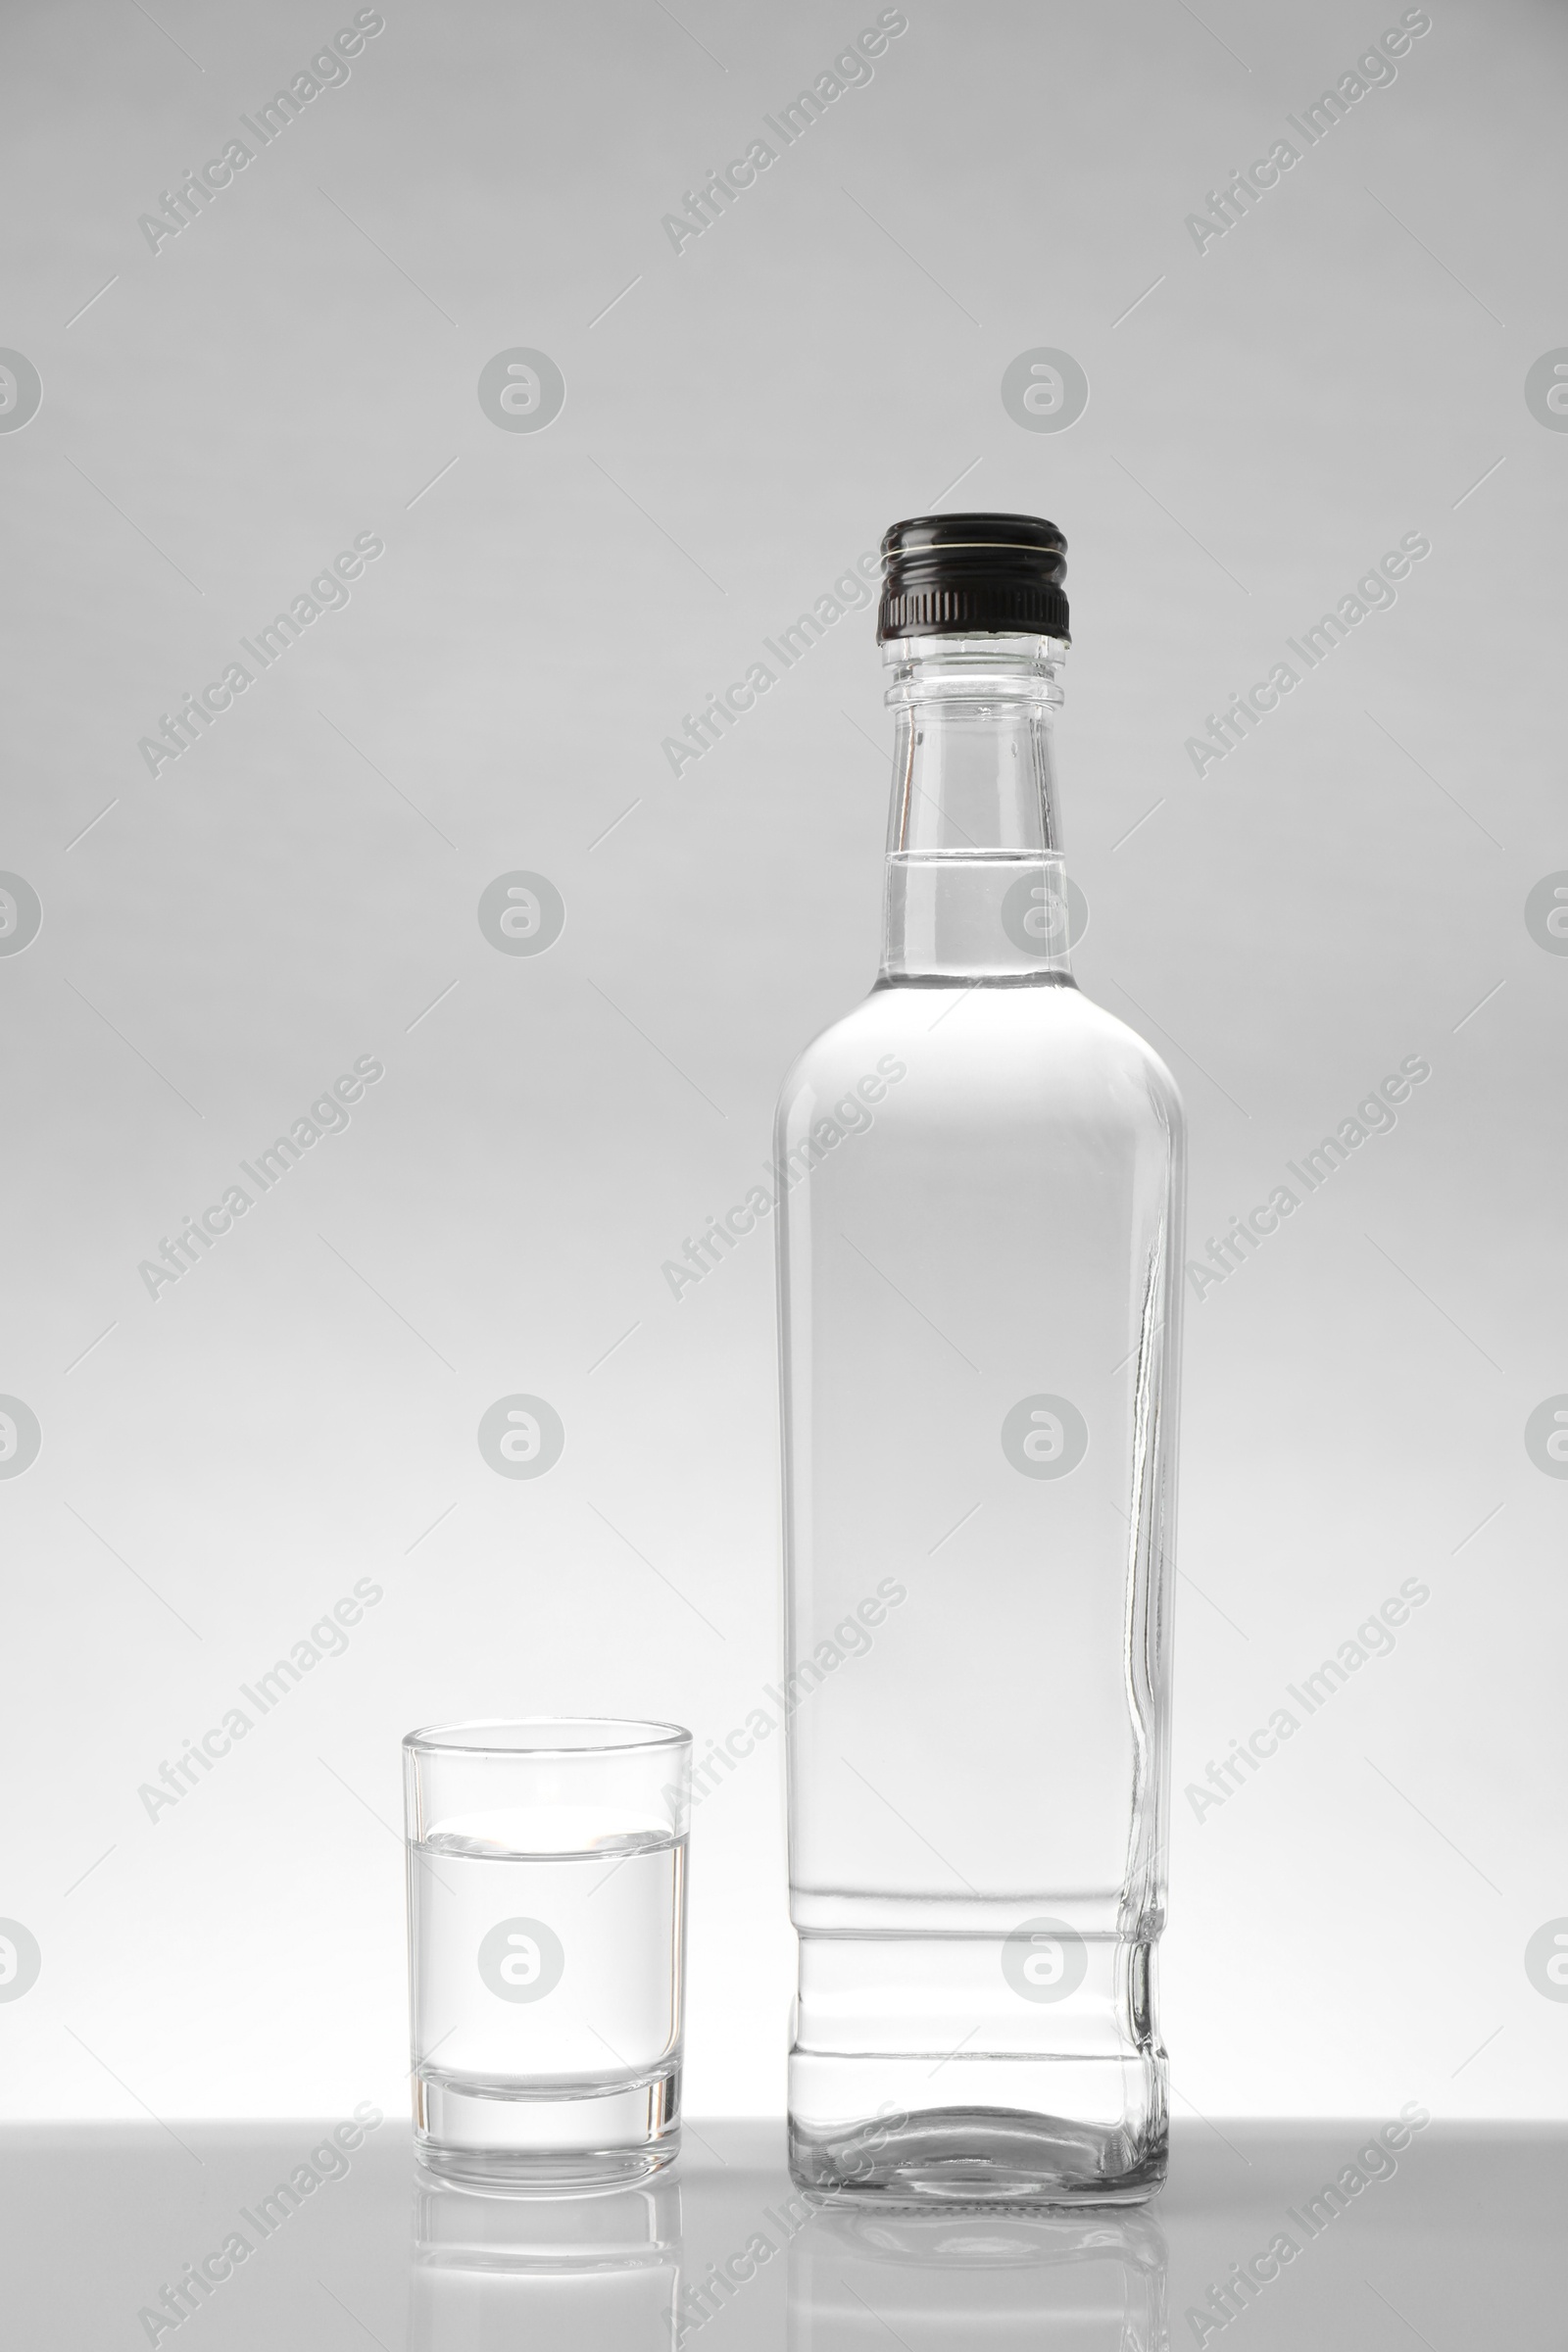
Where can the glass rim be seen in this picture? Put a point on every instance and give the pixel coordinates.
(465, 1738)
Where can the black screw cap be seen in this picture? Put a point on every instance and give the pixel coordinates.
(961, 574)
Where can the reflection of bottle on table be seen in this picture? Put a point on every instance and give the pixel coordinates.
(978, 2281)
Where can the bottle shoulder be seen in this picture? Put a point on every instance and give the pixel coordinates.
(846, 1055)
(985, 1034)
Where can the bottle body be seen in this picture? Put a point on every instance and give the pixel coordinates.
(979, 1248)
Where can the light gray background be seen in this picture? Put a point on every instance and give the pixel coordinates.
(220, 1465)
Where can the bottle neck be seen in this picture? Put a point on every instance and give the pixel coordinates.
(976, 887)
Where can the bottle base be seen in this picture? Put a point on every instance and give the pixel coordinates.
(1009, 2153)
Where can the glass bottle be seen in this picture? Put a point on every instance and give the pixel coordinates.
(980, 1249)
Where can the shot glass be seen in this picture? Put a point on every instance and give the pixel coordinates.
(547, 1928)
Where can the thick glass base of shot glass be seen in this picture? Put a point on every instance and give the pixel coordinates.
(492, 2135)
(917, 2078)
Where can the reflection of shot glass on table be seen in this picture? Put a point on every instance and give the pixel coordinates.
(595, 2269)
(547, 1867)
